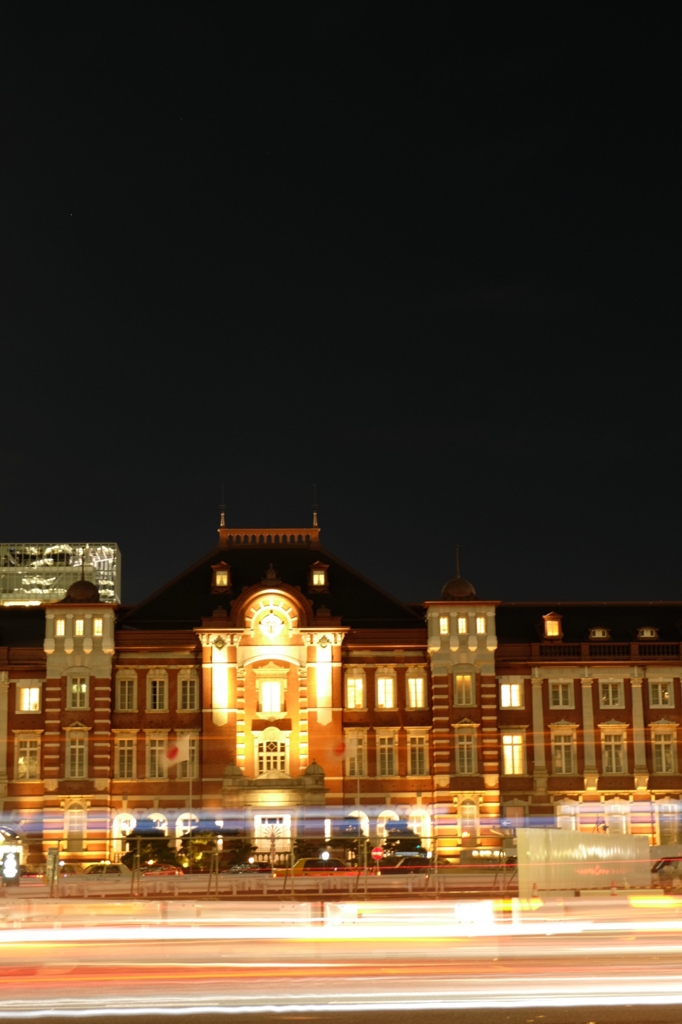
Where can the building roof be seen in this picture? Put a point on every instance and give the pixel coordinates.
(186, 600)
(523, 622)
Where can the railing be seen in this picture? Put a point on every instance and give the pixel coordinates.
(657, 650)
(590, 651)
(610, 651)
(560, 650)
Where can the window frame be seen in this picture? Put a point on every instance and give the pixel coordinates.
(73, 738)
(126, 676)
(190, 678)
(384, 735)
(481, 625)
(471, 675)
(657, 730)
(23, 685)
(558, 736)
(119, 739)
(621, 693)
(444, 625)
(614, 729)
(385, 675)
(72, 677)
(415, 675)
(463, 733)
(560, 684)
(357, 736)
(182, 771)
(521, 735)
(27, 736)
(421, 735)
(355, 675)
(671, 692)
(158, 741)
(517, 684)
(98, 626)
(462, 625)
(157, 675)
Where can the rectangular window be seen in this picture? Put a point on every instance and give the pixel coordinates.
(561, 695)
(664, 753)
(416, 748)
(156, 751)
(661, 695)
(614, 753)
(355, 692)
(386, 755)
(385, 694)
(416, 692)
(563, 761)
(59, 625)
(551, 627)
(464, 690)
(157, 695)
(78, 627)
(462, 624)
(272, 756)
(221, 578)
(511, 695)
(28, 766)
(319, 578)
(29, 698)
(76, 761)
(512, 753)
(480, 625)
(610, 695)
(126, 694)
(125, 759)
(78, 693)
(189, 768)
(444, 622)
(465, 751)
(188, 694)
(97, 626)
(271, 698)
(355, 753)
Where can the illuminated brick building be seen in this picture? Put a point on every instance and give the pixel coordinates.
(306, 692)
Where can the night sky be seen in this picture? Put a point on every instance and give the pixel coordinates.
(425, 256)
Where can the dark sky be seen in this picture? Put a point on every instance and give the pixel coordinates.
(426, 256)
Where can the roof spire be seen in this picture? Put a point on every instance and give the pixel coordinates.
(315, 505)
(457, 559)
(222, 505)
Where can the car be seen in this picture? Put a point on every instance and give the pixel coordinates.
(67, 870)
(31, 871)
(257, 868)
(107, 869)
(317, 867)
(405, 866)
(160, 869)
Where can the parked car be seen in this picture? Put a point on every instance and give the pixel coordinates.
(311, 867)
(67, 870)
(107, 869)
(257, 868)
(161, 869)
(405, 866)
(32, 870)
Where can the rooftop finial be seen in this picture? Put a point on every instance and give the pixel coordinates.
(222, 505)
(315, 505)
(457, 558)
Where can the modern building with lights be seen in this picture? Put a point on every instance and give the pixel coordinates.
(39, 573)
(307, 694)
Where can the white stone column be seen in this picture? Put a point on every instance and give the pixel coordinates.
(4, 711)
(641, 770)
(589, 754)
(540, 769)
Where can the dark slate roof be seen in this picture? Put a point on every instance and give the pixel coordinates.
(183, 602)
(523, 622)
(22, 627)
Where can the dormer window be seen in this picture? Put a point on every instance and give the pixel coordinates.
(221, 577)
(318, 576)
(599, 633)
(552, 626)
(647, 633)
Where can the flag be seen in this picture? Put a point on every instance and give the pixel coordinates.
(177, 750)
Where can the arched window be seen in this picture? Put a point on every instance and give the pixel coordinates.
(122, 825)
(75, 822)
(383, 818)
(182, 825)
(617, 817)
(568, 816)
(272, 752)
(160, 820)
(363, 819)
(419, 820)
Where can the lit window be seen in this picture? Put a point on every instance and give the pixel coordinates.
(28, 760)
(156, 759)
(647, 633)
(416, 749)
(599, 634)
(464, 690)
(355, 692)
(386, 755)
(319, 579)
(126, 694)
(125, 759)
(76, 761)
(97, 627)
(563, 760)
(272, 755)
(664, 752)
(415, 692)
(78, 694)
(221, 576)
(510, 695)
(614, 753)
(188, 694)
(271, 698)
(610, 695)
(188, 769)
(480, 625)
(157, 694)
(444, 622)
(78, 627)
(385, 695)
(661, 695)
(561, 695)
(512, 753)
(462, 624)
(221, 579)
(552, 627)
(465, 751)
(59, 625)
(29, 698)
